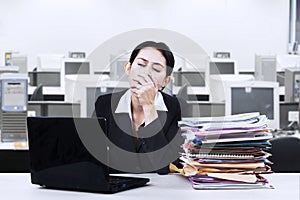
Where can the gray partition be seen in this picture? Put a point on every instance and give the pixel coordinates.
(45, 78)
(191, 78)
(92, 93)
(64, 109)
(34, 106)
(206, 109)
(54, 108)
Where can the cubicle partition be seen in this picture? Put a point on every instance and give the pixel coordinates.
(54, 108)
(45, 78)
(92, 93)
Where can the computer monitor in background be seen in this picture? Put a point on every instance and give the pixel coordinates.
(254, 96)
(265, 68)
(291, 81)
(9, 69)
(218, 83)
(287, 61)
(191, 78)
(74, 66)
(49, 63)
(222, 66)
(85, 89)
(19, 61)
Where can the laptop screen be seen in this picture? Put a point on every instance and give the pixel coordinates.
(56, 141)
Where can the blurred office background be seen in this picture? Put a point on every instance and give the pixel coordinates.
(250, 43)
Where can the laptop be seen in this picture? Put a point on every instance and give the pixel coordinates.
(60, 160)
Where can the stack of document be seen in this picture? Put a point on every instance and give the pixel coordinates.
(226, 152)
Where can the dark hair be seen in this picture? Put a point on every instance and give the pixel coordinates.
(160, 46)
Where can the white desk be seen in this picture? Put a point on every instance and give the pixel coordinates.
(7, 146)
(18, 186)
(192, 90)
(14, 146)
(54, 108)
(205, 91)
(47, 90)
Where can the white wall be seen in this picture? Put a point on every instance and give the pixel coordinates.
(243, 27)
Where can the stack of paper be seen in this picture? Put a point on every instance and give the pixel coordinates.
(226, 152)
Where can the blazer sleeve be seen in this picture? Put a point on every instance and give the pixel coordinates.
(168, 137)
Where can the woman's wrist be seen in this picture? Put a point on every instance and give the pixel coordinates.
(150, 114)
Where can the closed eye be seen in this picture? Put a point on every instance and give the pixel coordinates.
(139, 64)
(156, 70)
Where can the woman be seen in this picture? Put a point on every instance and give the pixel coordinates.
(143, 119)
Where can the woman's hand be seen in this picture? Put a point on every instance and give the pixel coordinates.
(145, 90)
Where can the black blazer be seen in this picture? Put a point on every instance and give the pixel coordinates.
(161, 131)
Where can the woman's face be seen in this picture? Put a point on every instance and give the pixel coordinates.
(149, 61)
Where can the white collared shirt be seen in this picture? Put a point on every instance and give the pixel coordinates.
(124, 105)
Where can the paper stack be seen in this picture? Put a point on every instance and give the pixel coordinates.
(226, 152)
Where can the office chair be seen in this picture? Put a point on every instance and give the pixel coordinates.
(285, 154)
(38, 94)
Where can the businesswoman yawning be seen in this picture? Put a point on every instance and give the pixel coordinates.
(144, 119)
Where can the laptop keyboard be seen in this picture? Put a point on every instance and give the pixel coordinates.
(117, 180)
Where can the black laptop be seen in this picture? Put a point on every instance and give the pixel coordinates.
(60, 160)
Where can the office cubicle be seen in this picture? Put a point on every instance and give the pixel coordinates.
(92, 93)
(85, 89)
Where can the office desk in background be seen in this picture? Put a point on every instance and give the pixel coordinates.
(50, 93)
(54, 108)
(196, 93)
(13, 159)
(173, 186)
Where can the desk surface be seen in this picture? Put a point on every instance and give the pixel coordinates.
(51, 103)
(47, 90)
(18, 186)
(13, 146)
(191, 90)
(205, 91)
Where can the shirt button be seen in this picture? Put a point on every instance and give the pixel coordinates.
(143, 142)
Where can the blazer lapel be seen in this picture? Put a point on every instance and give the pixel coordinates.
(162, 116)
(123, 121)
(124, 138)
